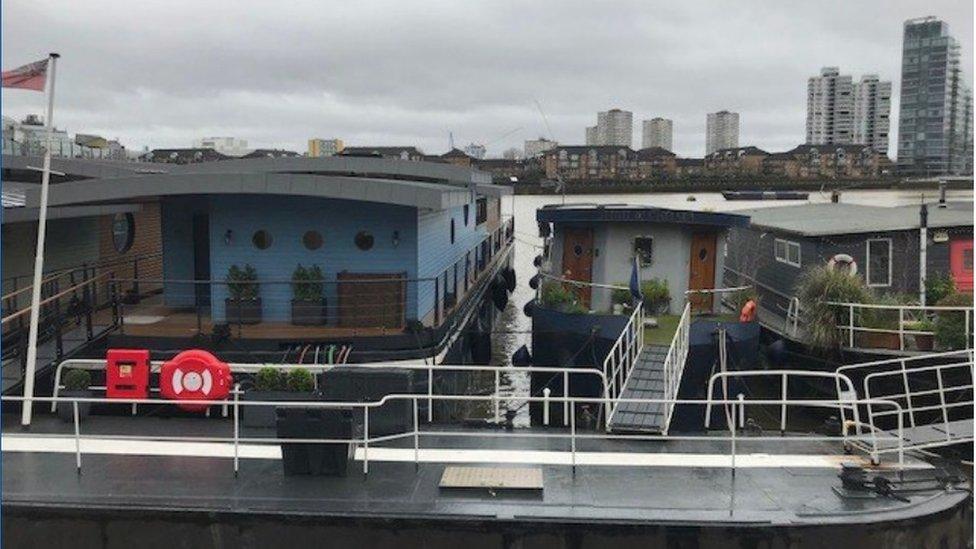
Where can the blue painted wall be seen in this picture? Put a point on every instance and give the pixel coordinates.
(176, 220)
(438, 253)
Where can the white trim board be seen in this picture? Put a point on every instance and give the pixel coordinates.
(104, 446)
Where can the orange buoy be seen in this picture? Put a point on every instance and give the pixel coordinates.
(748, 313)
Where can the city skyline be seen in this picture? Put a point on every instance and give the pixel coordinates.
(274, 93)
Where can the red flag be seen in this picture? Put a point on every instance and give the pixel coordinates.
(29, 77)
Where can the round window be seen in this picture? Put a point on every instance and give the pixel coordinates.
(364, 240)
(123, 232)
(312, 240)
(262, 239)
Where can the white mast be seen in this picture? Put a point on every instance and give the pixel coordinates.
(25, 417)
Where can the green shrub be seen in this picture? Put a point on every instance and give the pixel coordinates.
(242, 283)
(950, 327)
(883, 319)
(815, 288)
(657, 297)
(739, 298)
(306, 283)
(269, 379)
(621, 296)
(554, 295)
(937, 287)
(77, 380)
(300, 381)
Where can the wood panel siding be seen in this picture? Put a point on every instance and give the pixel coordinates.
(365, 303)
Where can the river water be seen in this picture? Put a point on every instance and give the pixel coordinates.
(513, 328)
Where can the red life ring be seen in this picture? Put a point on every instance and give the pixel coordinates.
(748, 313)
(194, 375)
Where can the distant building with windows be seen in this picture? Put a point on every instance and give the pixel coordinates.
(872, 113)
(830, 107)
(721, 131)
(318, 147)
(615, 127)
(395, 153)
(658, 132)
(229, 146)
(580, 162)
(476, 150)
(935, 118)
(592, 136)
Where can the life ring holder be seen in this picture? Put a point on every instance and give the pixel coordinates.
(843, 260)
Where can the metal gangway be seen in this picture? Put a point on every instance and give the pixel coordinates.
(934, 393)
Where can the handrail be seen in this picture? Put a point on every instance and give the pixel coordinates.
(53, 274)
(674, 362)
(366, 439)
(621, 358)
(54, 297)
(852, 326)
(784, 376)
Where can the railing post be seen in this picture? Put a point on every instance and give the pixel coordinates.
(416, 435)
(545, 406)
(565, 395)
(850, 320)
(901, 329)
(497, 402)
(572, 433)
(782, 417)
(430, 394)
(74, 406)
(365, 442)
(968, 324)
(237, 392)
(942, 401)
(742, 410)
(908, 394)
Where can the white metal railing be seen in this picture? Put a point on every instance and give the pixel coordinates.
(906, 315)
(674, 362)
(845, 395)
(792, 326)
(930, 394)
(621, 359)
(431, 369)
(415, 432)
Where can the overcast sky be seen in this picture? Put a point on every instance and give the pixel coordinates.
(162, 74)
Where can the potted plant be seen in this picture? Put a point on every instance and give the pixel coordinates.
(76, 385)
(923, 342)
(308, 304)
(554, 295)
(621, 299)
(950, 326)
(313, 458)
(882, 326)
(818, 286)
(271, 385)
(657, 298)
(244, 305)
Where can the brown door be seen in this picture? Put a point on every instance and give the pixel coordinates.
(702, 271)
(578, 260)
(371, 300)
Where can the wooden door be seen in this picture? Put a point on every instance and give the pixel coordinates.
(578, 260)
(961, 263)
(371, 300)
(701, 274)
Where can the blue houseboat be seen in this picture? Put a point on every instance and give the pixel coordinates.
(329, 259)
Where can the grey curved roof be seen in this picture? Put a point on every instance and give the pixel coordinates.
(823, 219)
(408, 183)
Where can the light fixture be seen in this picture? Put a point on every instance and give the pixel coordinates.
(228, 237)
(396, 238)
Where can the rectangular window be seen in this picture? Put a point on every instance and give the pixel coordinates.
(787, 252)
(878, 262)
(643, 248)
(482, 213)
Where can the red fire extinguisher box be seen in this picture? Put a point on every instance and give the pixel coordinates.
(127, 373)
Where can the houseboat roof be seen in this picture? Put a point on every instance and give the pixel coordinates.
(839, 218)
(628, 213)
(408, 183)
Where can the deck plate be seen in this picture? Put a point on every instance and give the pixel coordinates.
(496, 478)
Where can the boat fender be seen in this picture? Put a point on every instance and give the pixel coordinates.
(537, 261)
(534, 282)
(522, 357)
(843, 260)
(545, 229)
(509, 275)
(748, 313)
(194, 375)
(529, 308)
(499, 295)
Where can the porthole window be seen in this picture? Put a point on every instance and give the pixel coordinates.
(262, 239)
(312, 240)
(123, 232)
(364, 240)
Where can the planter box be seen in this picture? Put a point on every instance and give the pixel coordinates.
(66, 409)
(924, 342)
(316, 458)
(246, 311)
(876, 340)
(263, 417)
(308, 313)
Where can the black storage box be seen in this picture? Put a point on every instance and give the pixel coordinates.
(315, 458)
(351, 384)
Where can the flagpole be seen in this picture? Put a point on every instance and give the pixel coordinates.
(35, 313)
